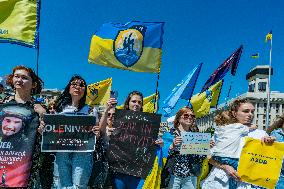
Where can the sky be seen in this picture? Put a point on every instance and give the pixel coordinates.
(205, 31)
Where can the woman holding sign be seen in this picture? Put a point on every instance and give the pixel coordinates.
(20, 166)
(133, 102)
(277, 130)
(184, 168)
(241, 112)
(73, 169)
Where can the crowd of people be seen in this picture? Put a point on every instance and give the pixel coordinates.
(22, 120)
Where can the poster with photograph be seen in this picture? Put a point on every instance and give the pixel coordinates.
(17, 135)
(132, 147)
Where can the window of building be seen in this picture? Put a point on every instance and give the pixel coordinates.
(277, 108)
(262, 86)
(251, 87)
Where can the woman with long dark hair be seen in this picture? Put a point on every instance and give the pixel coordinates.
(73, 169)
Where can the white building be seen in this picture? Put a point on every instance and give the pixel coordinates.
(257, 93)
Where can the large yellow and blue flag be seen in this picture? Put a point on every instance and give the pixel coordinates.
(134, 46)
(19, 22)
(202, 102)
(268, 37)
(98, 93)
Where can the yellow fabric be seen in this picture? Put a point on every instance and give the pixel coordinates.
(204, 172)
(153, 180)
(98, 93)
(101, 52)
(268, 37)
(260, 164)
(201, 103)
(148, 104)
(18, 20)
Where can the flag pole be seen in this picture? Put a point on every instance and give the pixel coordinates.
(156, 96)
(268, 90)
(37, 59)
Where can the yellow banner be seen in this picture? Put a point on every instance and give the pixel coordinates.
(260, 164)
(98, 93)
(19, 21)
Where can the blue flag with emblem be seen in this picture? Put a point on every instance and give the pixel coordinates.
(182, 90)
(220, 72)
(134, 46)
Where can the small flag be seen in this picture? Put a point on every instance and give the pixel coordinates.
(98, 93)
(268, 37)
(19, 22)
(255, 55)
(149, 104)
(220, 72)
(182, 90)
(134, 46)
(202, 102)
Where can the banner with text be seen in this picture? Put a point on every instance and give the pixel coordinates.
(195, 143)
(132, 149)
(17, 135)
(68, 133)
(260, 164)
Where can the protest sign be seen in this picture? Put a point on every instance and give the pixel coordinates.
(68, 133)
(132, 149)
(18, 131)
(195, 143)
(260, 164)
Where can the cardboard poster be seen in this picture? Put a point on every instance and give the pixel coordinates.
(132, 149)
(195, 143)
(260, 164)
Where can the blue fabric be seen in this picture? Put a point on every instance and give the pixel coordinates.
(123, 181)
(182, 183)
(279, 135)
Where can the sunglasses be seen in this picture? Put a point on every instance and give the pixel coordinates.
(186, 116)
(110, 114)
(75, 84)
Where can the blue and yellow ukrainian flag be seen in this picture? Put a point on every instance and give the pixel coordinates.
(134, 46)
(255, 55)
(268, 37)
(19, 22)
(202, 102)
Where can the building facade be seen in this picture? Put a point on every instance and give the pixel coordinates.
(257, 94)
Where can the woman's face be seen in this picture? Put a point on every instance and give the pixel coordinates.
(77, 88)
(11, 125)
(245, 114)
(22, 80)
(110, 116)
(135, 103)
(187, 118)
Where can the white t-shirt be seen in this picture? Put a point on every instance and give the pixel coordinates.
(85, 111)
(227, 140)
(218, 178)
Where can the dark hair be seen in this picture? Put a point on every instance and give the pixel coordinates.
(126, 103)
(65, 97)
(37, 82)
(1, 85)
(180, 113)
(278, 123)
